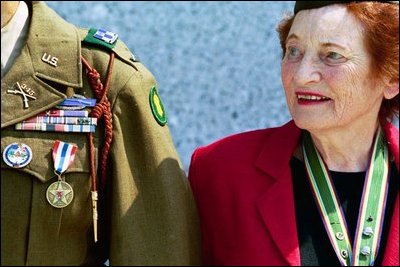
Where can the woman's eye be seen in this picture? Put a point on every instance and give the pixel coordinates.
(293, 52)
(334, 56)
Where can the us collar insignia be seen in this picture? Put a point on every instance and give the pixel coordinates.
(157, 107)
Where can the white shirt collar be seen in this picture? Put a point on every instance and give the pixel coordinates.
(13, 36)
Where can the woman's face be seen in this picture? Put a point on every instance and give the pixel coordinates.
(325, 71)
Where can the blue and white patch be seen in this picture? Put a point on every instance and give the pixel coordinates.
(106, 36)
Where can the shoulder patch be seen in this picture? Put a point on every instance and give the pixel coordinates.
(101, 38)
(157, 108)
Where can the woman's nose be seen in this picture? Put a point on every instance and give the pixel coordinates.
(308, 71)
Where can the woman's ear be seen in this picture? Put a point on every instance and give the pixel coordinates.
(391, 90)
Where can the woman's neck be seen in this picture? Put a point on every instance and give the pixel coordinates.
(346, 149)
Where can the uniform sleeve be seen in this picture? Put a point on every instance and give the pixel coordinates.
(153, 218)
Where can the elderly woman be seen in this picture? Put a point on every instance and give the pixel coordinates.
(322, 189)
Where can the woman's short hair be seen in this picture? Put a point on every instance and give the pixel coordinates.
(381, 25)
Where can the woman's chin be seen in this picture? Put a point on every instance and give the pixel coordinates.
(309, 123)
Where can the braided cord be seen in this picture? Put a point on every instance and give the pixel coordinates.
(101, 110)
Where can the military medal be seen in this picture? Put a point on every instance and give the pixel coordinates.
(365, 246)
(60, 194)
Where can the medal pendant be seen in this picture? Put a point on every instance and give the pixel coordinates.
(59, 194)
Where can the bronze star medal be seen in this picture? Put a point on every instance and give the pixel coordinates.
(59, 194)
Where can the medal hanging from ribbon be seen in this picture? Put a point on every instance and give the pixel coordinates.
(60, 194)
(372, 208)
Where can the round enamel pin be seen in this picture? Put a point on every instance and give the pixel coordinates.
(59, 194)
(17, 155)
(157, 107)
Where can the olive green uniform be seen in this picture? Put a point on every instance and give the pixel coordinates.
(148, 215)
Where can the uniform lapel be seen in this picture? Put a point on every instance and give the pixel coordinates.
(276, 205)
(43, 82)
(21, 74)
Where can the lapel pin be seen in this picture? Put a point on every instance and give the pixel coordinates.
(50, 59)
(25, 92)
(106, 36)
(17, 155)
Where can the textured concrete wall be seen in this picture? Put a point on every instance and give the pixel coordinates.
(217, 63)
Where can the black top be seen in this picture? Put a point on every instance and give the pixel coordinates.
(315, 247)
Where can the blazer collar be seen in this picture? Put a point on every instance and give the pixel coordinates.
(275, 155)
(392, 137)
(279, 147)
(49, 36)
(276, 205)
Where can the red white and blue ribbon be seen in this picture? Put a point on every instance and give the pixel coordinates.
(63, 156)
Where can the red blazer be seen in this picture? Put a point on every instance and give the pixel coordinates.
(243, 188)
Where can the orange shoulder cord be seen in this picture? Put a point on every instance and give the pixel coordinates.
(102, 109)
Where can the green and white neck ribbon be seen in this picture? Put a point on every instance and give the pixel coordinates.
(372, 207)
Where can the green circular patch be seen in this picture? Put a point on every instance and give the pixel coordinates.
(157, 107)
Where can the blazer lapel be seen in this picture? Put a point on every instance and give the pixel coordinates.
(391, 254)
(276, 205)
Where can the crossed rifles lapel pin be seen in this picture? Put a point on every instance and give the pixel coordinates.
(25, 92)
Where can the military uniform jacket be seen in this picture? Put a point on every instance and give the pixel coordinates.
(147, 216)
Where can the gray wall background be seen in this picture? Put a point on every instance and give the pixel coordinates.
(217, 63)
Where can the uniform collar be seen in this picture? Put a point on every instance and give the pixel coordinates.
(49, 36)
